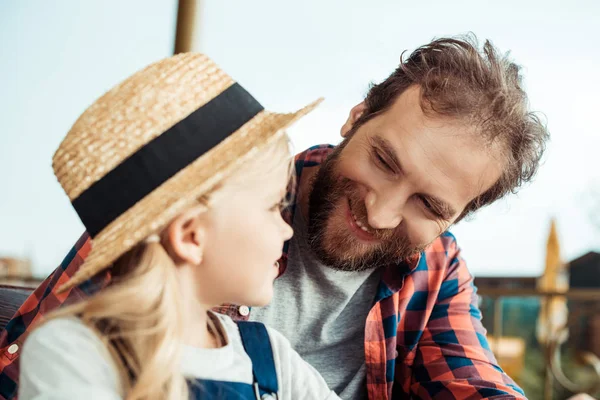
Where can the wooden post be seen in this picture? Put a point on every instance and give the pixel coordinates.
(497, 324)
(188, 23)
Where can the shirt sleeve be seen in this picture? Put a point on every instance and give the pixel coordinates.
(453, 357)
(64, 359)
(297, 378)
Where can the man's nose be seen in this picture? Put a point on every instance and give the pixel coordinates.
(384, 212)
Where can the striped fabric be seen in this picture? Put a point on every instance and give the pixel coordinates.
(423, 336)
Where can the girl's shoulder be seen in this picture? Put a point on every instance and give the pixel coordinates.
(64, 356)
(63, 333)
(66, 340)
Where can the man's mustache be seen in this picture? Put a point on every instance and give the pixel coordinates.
(359, 209)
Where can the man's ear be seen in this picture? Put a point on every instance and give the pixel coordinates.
(356, 112)
(186, 236)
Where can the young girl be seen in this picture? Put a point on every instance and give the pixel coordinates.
(178, 175)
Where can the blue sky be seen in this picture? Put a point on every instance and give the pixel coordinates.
(58, 56)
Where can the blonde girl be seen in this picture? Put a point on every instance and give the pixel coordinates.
(178, 175)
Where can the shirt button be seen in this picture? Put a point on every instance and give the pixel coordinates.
(13, 348)
(244, 311)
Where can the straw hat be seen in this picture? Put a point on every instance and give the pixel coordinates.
(152, 145)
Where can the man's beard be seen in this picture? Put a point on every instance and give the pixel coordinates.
(334, 244)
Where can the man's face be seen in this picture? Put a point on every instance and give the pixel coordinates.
(394, 185)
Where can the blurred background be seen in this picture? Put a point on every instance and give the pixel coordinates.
(535, 255)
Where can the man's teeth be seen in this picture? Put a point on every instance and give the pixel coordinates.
(360, 224)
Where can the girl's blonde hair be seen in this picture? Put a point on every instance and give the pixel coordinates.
(139, 315)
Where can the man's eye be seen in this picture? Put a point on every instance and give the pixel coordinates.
(427, 204)
(381, 161)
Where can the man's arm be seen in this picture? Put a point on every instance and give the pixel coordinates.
(42, 301)
(453, 356)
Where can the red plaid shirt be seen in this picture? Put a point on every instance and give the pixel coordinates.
(423, 335)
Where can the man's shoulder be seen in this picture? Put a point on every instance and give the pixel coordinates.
(439, 271)
(440, 254)
(446, 242)
(46, 297)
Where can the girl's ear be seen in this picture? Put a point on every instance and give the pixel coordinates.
(186, 236)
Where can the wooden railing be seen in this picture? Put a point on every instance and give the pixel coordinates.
(553, 347)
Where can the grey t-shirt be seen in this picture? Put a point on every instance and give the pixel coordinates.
(64, 359)
(322, 312)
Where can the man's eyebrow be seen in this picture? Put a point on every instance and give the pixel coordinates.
(445, 209)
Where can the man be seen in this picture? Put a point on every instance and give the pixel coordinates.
(372, 290)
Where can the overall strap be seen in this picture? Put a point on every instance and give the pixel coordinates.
(257, 344)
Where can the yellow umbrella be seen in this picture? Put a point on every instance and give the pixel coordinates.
(553, 311)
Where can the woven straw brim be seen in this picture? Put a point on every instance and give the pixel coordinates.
(181, 191)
